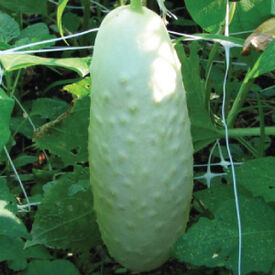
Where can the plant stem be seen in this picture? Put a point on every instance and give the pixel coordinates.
(9, 80)
(136, 5)
(244, 89)
(15, 83)
(262, 127)
(242, 132)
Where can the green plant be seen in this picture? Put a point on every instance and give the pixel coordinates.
(46, 218)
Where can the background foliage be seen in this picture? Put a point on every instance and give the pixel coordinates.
(44, 116)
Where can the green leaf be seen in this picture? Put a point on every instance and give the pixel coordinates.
(265, 62)
(10, 225)
(12, 230)
(12, 251)
(34, 33)
(60, 267)
(209, 14)
(65, 219)
(43, 176)
(60, 9)
(214, 197)
(6, 197)
(4, 46)
(250, 13)
(23, 160)
(9, 28)
(19, 61)
(214, 243)
(49, 108)
(6, 107)
(26, 6)
(68, 136)
(71, 21)
(38, 252)
(258, 176)
(203, 130)
(80, 89)
(36, 30)
(21, 124)
(39, 110)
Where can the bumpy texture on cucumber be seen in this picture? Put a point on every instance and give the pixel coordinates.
(140, 148)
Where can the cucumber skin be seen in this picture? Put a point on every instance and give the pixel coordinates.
(140, 147)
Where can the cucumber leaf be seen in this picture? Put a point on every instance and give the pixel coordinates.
(212, 199)
(34, 33)
(12, 252)
(38, 252)
(11, 226)
(6, 107)
(265, 62)
(12, 230)
(19, 61)
(214, 243)
(40, 110)
(23, 160)
(209, 14)
(203, 130)
(6, 197)
(71, 22)
(67, 136)
(9, 28)
(49, 108)
(65, 219)
(26, 6)
(258, 183)
(80, 88)
(250, 13)
(60, 267)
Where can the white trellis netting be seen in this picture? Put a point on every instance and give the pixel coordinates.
(208, 175)
(227, 56)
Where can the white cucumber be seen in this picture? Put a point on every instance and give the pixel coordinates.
(140, 147)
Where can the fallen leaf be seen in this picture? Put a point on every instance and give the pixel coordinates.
(261, 37)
